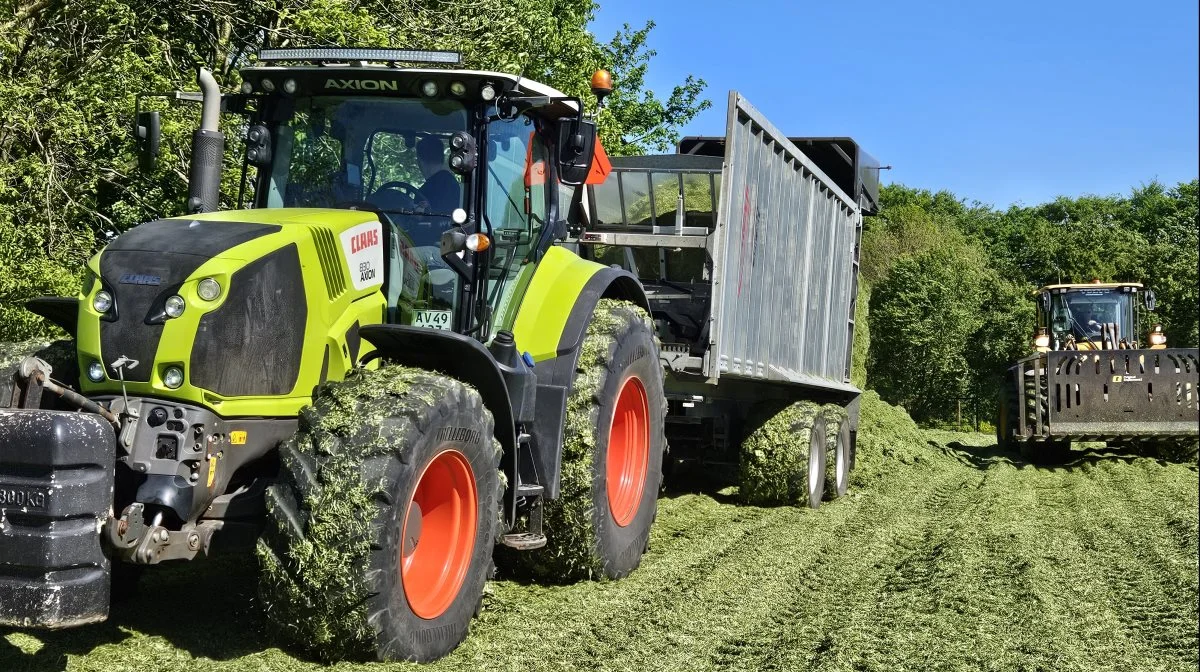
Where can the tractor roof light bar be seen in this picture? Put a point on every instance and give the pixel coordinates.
(364, 55)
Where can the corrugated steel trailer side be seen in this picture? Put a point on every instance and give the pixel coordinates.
(786, 268)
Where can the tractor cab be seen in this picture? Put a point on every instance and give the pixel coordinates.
(1093, 316)
(472, 174)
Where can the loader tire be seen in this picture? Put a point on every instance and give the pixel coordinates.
(60, 355)
(783, 460)
(1005, 408)
(613, 444)
(380, 532)
(1045, 453)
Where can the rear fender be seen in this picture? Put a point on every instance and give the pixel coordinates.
(551, 325)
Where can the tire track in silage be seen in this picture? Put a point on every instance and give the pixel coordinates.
(1153, 596)
(890, 551)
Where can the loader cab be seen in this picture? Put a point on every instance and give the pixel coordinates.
(473, 174)
(1093, 316)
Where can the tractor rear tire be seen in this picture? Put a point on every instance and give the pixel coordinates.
(783, 460)
(613, 446)
(379, 536)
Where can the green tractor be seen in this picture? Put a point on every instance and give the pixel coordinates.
(374, 375)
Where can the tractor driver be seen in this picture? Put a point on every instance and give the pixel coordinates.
(441, 190)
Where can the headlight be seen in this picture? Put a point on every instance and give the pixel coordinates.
(1041, 341)
(458, 88)
(429, 88)
(209, 289)
(102, 301)
(488, 92)
(95, 372)
(1157, 337)
(174, 306)
(173, 377)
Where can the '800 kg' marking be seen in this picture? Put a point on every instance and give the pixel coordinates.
(32, 499)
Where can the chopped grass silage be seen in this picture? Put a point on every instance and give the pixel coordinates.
(950, 555)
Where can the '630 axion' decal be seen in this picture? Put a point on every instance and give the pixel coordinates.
(363, 247)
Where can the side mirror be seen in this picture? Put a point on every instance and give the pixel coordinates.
(575, 149)
(1149, 299)
(1044, 298)
(147, 134)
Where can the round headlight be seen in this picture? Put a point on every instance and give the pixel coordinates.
(209, 289)
(289, 86)
(173, 377)
(268, 85)
(174, 306)
(429, 88)
(247, 87)
(102, 301)
(488, 92)
(458, 88)
(95, 372)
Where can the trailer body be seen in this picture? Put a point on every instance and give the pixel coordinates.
(749, 253)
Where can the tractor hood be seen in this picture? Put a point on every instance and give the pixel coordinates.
(281, 276)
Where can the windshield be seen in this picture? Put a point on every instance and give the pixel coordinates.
(1082, 312)
(387, 154)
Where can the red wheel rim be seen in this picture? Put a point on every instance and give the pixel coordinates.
(438, 535)
(628, 451)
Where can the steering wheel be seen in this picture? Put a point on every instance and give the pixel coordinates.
(404, 189)
(366, 206)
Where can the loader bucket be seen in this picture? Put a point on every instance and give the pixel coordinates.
(56, 489)
(1122, 394)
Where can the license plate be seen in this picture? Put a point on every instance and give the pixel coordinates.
(432, 319)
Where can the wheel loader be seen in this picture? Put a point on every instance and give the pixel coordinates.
(400, 356)
(1098, 373)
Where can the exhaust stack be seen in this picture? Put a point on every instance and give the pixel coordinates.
(208, 148)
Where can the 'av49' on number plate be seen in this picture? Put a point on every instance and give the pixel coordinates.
(432, 319)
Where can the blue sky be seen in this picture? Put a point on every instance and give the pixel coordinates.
(1001, 102)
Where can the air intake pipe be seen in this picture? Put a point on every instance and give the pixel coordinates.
(208, 149)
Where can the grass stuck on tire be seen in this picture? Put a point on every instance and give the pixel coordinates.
(599, 526)
(784, 459)
(355, 516)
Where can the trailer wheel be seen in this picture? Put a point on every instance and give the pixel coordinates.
(837, 481)
(379, 537)
(612, 453)
(783, 460)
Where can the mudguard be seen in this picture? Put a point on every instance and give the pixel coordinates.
(551, 324)
(56, 489)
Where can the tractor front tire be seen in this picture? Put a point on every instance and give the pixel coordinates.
(599, 526)
(380, 534)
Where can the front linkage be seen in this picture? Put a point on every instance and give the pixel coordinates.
(119, 479)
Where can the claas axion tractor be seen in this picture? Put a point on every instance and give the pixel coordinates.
(1098, 374)
(406, 353)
